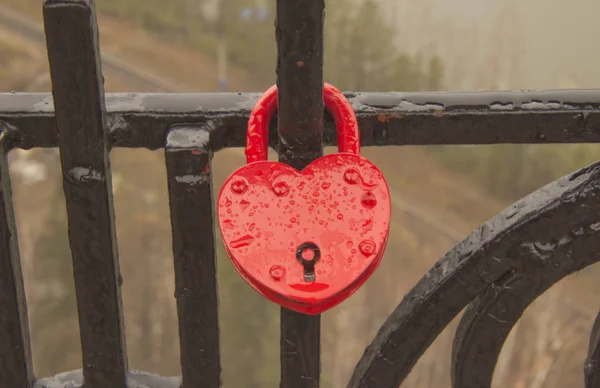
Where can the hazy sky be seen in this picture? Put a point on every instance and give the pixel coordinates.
(557, 40)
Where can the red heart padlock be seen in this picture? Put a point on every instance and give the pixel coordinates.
(305, 240)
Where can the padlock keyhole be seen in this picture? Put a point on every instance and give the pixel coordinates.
(308, 254)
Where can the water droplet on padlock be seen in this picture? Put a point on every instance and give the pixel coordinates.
(277, 272)
(281, 188)
(252, 226)
(325, 185)
(293, 220)
(239, 187)
(340, 216)
(228, 224)
(367, 247)
(367, 226)
(244, 204)
(351, 176)
(315, 193)
(368, 200)
(242, 241)
(227, 202)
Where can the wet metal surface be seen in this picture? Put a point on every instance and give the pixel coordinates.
(16, 368)
(141, 120)
(500, 268)
(189, 179)
(299, 34)
(591, 367)
(340, 202)
(80, 124)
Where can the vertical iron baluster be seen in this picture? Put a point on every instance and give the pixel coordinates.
(78, 91)
(591, 367)
(188, 158)
(16, 369)
(299, 33)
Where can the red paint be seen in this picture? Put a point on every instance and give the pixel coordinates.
(339, 202)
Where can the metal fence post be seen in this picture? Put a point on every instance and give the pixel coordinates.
(299, 32)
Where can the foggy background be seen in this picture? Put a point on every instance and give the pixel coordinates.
(440, 193)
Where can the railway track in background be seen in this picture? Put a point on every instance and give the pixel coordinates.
(32, 31)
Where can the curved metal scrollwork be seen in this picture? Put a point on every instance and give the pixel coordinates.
(499, 269)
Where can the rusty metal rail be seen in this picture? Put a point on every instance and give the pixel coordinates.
(141, 120)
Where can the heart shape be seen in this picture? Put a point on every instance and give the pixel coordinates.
(339, 202)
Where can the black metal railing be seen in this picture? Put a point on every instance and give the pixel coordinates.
(497, 271)
(299, 32)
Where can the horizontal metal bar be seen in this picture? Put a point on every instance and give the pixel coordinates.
(190, 198)
(141, 120)
(77, 85)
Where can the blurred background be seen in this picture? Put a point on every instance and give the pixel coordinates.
(440, 194)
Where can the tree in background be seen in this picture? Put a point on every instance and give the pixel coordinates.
(360, 53)
(511, 171)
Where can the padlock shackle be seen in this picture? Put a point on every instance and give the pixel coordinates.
(257, 136)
